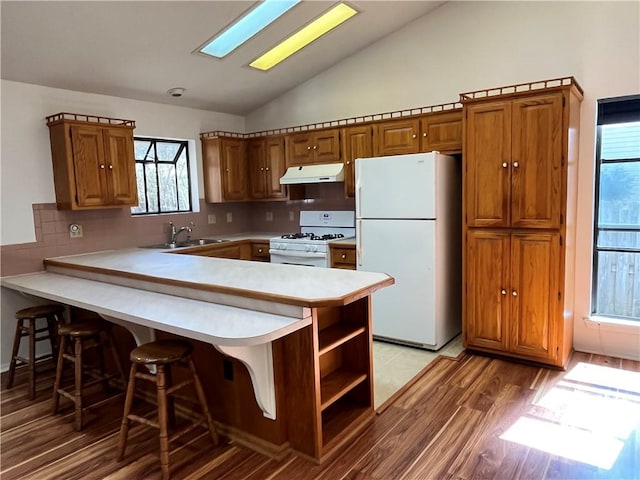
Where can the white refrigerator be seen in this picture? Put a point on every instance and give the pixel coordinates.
(408, 225)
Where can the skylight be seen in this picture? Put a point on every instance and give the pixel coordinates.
(246, 27)
(323, 24)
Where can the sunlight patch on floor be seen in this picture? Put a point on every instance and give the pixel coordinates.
(587, 416)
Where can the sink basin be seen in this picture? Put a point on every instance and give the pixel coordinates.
(190, 243)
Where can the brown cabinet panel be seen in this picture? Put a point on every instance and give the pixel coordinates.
(93, 164)
(396, 137)
(313, 147)
(536, 162)
(260, 251)
(275, 167)
(487, 160)
(486, 284)
(343, 256)
(256, 155)
(225, 169)
(441, 132)
(357, 142)
(119, 149)
(534, 294)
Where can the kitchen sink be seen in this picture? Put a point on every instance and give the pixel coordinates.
(190, 243)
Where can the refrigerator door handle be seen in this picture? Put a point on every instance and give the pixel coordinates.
(359, 240)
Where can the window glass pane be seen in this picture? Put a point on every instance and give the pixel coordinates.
(152, 187)
(183, 182)
(141, 148)
(167, 184)
(142, 200)
(620, 140)
(619, 239)
(167, 151)
(618, 284)
(619, 202)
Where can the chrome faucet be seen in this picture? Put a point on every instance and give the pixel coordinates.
(175, 231)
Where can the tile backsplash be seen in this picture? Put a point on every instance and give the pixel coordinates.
(116, 228)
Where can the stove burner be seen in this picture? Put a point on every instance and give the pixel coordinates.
(327, 236)
(290, 236)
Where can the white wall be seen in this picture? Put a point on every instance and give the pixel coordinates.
(466, 46)
(25, 161)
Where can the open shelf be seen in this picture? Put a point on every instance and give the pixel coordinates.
(336, 335)
(342, 420)
(335, 385)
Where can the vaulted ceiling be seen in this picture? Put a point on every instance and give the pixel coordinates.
(141, 49)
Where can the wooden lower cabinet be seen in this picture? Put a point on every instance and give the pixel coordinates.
(514, 297)
(343, 256)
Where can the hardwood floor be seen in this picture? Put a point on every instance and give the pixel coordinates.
(464, 418)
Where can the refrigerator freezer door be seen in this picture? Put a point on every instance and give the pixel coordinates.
(404, 249)
(401, 186)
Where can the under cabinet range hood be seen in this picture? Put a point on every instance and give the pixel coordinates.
(330, 172)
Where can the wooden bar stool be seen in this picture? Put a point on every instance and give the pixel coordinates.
(163, 354)
(26, 327)
(90, 334)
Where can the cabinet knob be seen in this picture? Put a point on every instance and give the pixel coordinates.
(102, 166)
(315, 147)
(110, 167)
(261, 169)
(343, 256)
(348, 162)
(309, 148)
(505, 164)
(259, 250)
(424, 134)
(503, 291)
(267, 169)
(414, 136)
(226, 169)
(514, 293)
(516, 164)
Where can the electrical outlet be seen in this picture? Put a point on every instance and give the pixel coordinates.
(269, 217)
(229, 217)
(211, 218)
(75, 230)
(291, 216)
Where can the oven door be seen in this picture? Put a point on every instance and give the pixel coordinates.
(309, 259)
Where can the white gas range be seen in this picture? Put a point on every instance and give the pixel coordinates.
(310, 246)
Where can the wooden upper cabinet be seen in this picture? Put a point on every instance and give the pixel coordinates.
(536, 162)
(266, 167)
(396, 137)
(356, 143)
(487, 160)
(441, 132)
(93, 163)
(225, 169)
(313, 147)
(513, 157)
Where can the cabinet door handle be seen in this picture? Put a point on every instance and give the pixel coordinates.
(259, 250)
(315, 147)
(267, 169)
(344, 255)
(516, 164)
(348, 162)
(309, 148)
(514, 293)
(503, 291)
(424, 134)
(261, 169)
(505, 164)
(102, 166)
(414, 136)
(110, 167)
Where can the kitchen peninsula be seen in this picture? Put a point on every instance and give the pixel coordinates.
(291, 367)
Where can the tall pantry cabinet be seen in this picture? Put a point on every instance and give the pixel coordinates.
(520, 174)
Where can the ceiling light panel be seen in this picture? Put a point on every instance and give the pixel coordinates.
(321, 25)
(247, 26)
